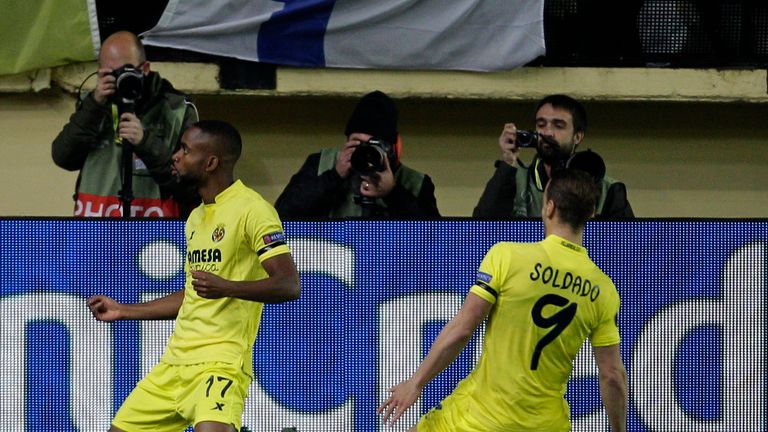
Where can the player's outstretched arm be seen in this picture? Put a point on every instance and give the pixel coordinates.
(282, 284)
(105, 308)
(613, 385)
(448, 345)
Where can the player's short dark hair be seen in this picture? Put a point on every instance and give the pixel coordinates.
(575, 195)
(577, 110)
(226, 137)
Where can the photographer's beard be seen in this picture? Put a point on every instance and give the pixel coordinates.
(552, 153)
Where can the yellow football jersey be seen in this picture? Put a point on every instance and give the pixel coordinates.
(229, 238)
(548, 297)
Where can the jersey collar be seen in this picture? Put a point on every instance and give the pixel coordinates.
(561, 242)
(228, 192)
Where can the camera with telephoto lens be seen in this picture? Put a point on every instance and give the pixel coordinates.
(526, 138)
(368, 157)
(129, 83)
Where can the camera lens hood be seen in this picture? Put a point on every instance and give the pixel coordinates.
(368, 159)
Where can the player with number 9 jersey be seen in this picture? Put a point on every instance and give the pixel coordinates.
(548, 298)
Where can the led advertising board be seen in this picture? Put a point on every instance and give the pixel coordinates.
(374, 297)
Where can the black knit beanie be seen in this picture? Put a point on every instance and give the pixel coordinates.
(376, 115)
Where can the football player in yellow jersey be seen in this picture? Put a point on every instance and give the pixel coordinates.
(237, 260)
(542, 300)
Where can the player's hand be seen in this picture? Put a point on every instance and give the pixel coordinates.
(105, 86)
(104, 308)
(402, 396)
(508, 144)
(380, 184)
(130, 128)
(208, 285)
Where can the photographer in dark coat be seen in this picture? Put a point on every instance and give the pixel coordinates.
(363, 179)
(516, 189)
(132, 120)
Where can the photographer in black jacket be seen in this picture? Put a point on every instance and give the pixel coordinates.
(365, 178)
(516, 189)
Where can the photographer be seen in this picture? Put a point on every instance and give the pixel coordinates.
(132, 113)
(517, 190)
(363, 179)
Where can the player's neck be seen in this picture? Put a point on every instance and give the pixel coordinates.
(213, 187)
(565, 232)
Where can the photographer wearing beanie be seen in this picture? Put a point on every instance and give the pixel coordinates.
(365, 178)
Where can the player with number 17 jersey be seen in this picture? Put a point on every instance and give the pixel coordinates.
(549, 298)
(229, 238)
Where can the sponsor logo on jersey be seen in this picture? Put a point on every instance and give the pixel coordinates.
(203, 256)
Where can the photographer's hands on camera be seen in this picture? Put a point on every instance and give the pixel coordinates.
(374, 186)
(508, 143)
(130, 127)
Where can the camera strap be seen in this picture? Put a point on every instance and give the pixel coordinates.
(116, 124)
(536, 175)
(79, 102)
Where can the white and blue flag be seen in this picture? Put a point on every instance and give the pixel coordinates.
(476, 35)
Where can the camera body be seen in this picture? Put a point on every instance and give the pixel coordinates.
(526, 138)
(129, 84)
(368, 157)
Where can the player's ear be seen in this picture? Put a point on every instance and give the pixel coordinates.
(212, 163)
(549, 209)
(547, 205)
